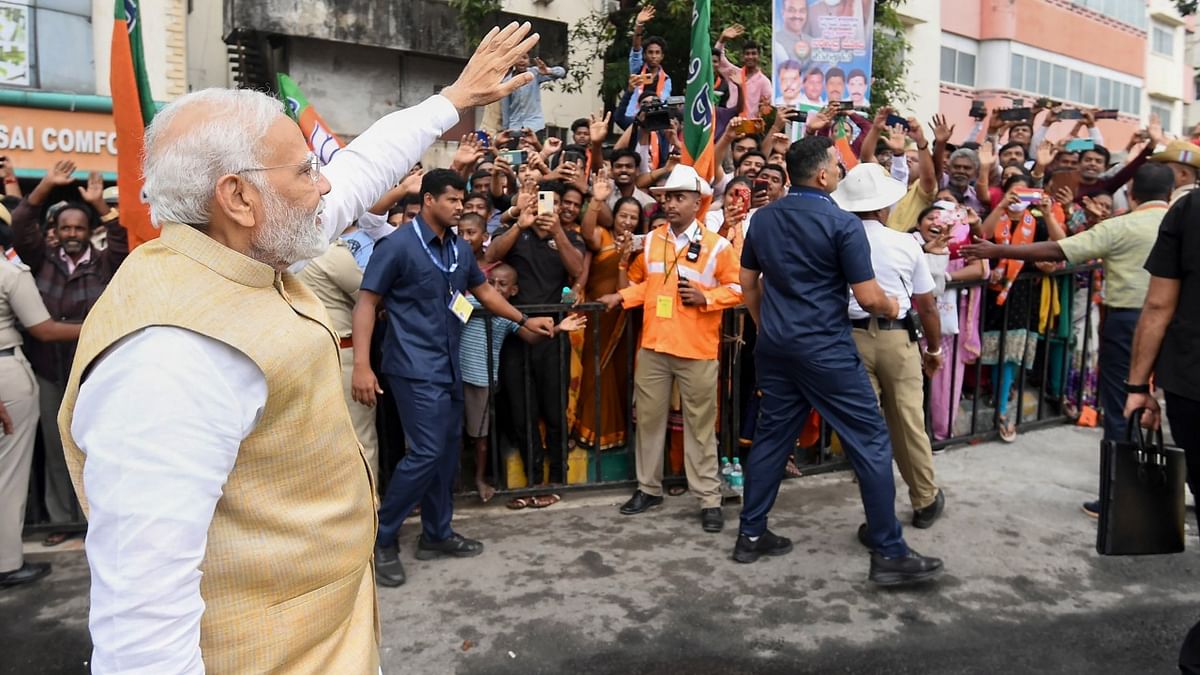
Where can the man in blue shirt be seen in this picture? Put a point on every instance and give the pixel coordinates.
(800, 255)
(522, 109)
(421, 272)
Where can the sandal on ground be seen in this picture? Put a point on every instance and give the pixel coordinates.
(518, 503)
(1008, 432)
(791, 470)
(56, 538)
(676, 490)
(542, 501)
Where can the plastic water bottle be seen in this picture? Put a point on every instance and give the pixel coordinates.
(568, 296)
(736, 478)
(726, 470)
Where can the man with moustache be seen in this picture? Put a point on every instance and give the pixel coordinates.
(231, 509)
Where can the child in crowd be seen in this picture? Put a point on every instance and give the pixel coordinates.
(480, 365)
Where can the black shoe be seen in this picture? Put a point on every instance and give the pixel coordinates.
(25, 574)
(911, 569)
(1092, 508)
(863, 538)
(639, 503)
(457, 546)
(926, 517)
(712, 519)
(388, 569)
(746, 551)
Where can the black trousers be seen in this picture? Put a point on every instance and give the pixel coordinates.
(538, 398)
(1184, 416)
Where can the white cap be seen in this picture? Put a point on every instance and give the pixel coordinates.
(684, 178)
(867, 187)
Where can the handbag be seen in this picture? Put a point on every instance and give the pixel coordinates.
(1141, 494)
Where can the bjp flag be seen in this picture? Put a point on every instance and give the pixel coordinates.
(699, 118)
(320, 139)
(133, 108)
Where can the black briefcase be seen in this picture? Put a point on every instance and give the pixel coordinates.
(1141, 494)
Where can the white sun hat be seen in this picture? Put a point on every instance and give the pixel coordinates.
(867, 187)
(684, 178)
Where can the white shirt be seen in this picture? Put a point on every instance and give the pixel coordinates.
(161, 417)
(899, 264)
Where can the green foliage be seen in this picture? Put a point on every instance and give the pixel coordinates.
(476, 14)
(605, 38)
(1185, 7)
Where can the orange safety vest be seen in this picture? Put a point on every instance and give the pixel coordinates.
(669, 326)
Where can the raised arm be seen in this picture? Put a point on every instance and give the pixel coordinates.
(383, 154)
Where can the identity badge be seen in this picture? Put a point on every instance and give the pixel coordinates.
(461, 307)
(665, 307)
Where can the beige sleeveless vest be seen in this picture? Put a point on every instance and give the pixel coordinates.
(288, 582)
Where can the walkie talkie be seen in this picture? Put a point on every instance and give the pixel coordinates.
(693, 252)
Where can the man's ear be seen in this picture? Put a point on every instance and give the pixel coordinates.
(235, 199)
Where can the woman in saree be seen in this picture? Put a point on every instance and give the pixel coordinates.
(936, 227)
(601, 230)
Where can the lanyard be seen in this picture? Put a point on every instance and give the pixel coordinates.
(812, 195)
(437, 263)
(674, 264)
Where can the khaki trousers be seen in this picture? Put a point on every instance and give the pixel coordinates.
(894, 365)
(361, 416)
(652, 379)
(19, 391)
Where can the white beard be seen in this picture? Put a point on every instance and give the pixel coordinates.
(290, 234)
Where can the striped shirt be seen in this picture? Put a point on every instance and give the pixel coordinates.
(472, 354)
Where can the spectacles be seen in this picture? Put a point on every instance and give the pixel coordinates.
(312, 167)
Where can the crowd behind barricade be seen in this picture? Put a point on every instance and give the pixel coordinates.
(636, 259)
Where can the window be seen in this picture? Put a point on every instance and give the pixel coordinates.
(1162, 40)
(1059, 82)
(1017, 72)
(1132, 12)
(47, 44)
(958, 67)
(1164, 115)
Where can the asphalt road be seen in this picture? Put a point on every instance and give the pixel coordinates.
(579, 589)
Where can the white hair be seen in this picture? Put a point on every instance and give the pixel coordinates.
(181, 167)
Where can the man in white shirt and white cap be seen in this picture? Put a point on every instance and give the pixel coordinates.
(685, 277)
(890, 348)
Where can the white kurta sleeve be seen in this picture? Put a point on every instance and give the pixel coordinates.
(375, 161)
(160, 418)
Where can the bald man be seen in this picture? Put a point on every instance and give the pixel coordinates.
(231, 511)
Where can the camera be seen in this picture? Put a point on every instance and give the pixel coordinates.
(655, 115)
(978, 110)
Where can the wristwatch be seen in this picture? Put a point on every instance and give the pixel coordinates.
(1136, 388)
(524, 318)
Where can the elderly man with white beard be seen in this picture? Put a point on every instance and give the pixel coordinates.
(231, 512)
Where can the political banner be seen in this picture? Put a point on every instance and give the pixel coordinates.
(821, 52)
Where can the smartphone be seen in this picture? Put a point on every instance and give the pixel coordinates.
(978, 110)
(893, 120)
(740, 195)
(1110, 114)
(1016, 114)
(1080, 145)
(1029, 195)
(750, 127)
(761, 186)
(1070, 114)
(515, 157)
(639, 242)
(676, 100)
(485, 141)
(574, 156)
(1061, 179)
(545, 202)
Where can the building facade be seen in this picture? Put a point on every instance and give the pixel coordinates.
(357, 60)
(1128, 55)
(54, 90)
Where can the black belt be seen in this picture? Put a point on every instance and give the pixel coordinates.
(8, 351)
(1111, 309)
(882, 324)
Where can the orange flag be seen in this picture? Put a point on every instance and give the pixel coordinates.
(133, 108)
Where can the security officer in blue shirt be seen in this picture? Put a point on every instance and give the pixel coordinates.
(421, 272)
(800, 255)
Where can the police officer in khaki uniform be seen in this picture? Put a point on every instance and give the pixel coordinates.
(19, 301)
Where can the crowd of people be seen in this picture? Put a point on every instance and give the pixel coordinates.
(876, 261)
